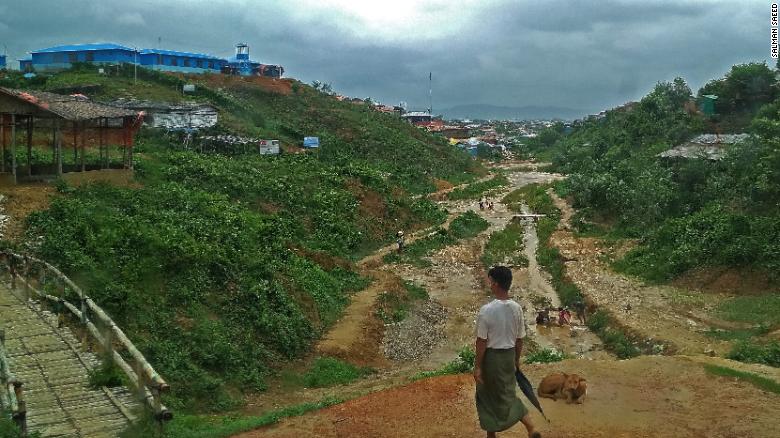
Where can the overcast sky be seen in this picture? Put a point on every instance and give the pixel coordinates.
(585, 55)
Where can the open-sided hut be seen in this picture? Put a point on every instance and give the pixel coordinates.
(63, 119)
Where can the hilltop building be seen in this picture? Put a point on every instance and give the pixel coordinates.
(183, 62)
(242, 65)
(424, 119)
(63, 57)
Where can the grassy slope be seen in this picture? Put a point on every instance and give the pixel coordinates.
(220, 268)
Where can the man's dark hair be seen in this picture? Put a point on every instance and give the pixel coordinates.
(501, 275)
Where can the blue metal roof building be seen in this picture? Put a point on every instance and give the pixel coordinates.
(184, 62)
(25, 64)
(63, 57)
(242, 65)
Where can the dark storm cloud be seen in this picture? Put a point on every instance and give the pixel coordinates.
(581, 54)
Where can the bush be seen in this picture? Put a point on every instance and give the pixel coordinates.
(108, 374)
(467, 225)
(328, 371)
(478, 189)
(614, 339)
(506, 247)
(463, 364)
(545, 355)
(764, 353)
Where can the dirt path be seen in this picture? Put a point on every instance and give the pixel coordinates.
(455, 281)
(647, 397)
(675, 316)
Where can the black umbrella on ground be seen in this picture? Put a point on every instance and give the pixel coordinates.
(528, 390)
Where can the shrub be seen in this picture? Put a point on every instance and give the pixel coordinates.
(328, 371)
(545, 355)
(108, 374)
(765, 353)
(467, 225)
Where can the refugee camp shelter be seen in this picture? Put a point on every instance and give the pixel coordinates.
(59, 122)
(63, 57)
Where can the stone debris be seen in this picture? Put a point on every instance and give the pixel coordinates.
(418, 334)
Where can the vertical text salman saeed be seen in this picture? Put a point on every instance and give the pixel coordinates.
(773, 26)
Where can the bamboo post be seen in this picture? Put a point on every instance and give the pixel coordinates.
(75, 145)
(83, 310)
(2, 139)
(100, 142)
(29, 145)
(13, 145)
(26, 279)
(83, 145)
(12, 271)
(58, 145)
(108, 147)
(20, 416)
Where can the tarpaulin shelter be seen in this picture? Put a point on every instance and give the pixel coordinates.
(82, 121)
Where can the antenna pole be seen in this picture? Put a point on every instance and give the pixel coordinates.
(430, 93)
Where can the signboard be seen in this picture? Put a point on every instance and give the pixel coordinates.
(188, 88)
(311, 142)
(268, 147)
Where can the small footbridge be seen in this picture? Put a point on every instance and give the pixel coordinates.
(52, 335)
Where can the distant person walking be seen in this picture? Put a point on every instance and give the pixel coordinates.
(500, 333)
(400, 241)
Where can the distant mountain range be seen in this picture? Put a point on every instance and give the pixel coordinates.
(494, 112)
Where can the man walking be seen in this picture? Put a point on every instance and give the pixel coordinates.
(500, 333)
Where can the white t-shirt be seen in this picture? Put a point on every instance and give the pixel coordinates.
(501, 323)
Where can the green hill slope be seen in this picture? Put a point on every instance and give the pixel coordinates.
(221, 268)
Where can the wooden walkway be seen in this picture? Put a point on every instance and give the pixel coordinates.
(52, 368)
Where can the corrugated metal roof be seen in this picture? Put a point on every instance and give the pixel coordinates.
(83, 47)
(68, 107)
(182, 54)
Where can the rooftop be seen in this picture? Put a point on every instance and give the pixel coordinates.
(177, 53)
(83, 47)
(67, 107)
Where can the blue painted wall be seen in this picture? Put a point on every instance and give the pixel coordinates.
(181, 63)
(63, 60)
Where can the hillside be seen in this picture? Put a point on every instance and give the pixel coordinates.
(221, 268)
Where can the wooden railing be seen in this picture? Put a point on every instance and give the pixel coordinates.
(11, 394)
(42, 280)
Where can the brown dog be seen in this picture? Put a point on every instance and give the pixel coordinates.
(560, 385)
